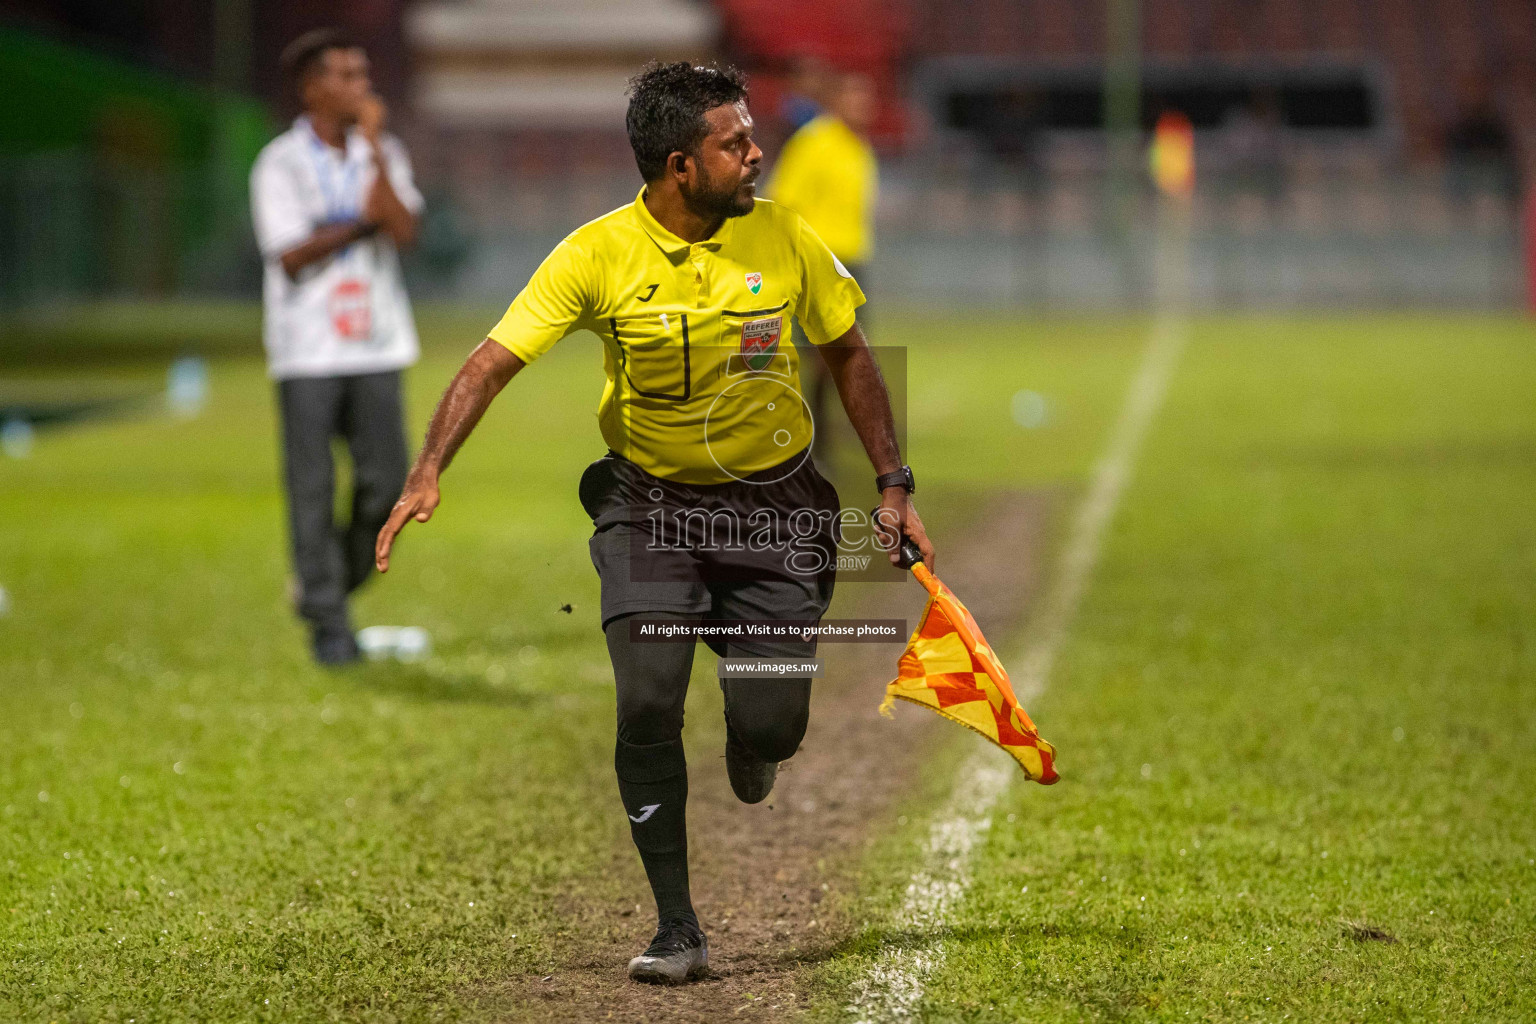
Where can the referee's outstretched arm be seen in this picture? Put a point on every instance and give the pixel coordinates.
(868, 403)
(478, 381)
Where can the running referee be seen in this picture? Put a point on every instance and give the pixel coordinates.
(707, 508)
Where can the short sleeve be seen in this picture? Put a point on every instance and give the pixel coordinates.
(555, 302)
(401, 178)
(829, 296)
(277, 207)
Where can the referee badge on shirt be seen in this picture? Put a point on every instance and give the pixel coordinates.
(351, 310)
(760, 340)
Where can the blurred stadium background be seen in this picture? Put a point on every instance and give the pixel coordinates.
(1351, 152)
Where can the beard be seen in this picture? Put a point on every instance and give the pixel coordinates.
(720, 198)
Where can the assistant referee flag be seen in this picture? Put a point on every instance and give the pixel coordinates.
(949, 666)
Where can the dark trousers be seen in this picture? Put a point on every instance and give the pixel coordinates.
(768, 715)
(651, 680)
(364, 410)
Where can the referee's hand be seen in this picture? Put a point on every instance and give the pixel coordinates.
(416, 502)
(897, 517)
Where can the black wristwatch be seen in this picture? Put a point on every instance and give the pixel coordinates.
(900, 478)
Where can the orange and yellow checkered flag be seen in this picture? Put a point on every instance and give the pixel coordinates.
(949, 666)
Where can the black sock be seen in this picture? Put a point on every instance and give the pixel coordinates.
(653, 783)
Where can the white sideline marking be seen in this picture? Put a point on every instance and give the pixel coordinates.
(892, 988)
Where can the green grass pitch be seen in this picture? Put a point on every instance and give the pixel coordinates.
(1296, 704)
(1297, 698)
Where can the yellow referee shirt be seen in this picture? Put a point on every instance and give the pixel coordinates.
(703, 384)
(827, 174)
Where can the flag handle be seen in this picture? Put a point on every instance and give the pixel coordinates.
(909, 557)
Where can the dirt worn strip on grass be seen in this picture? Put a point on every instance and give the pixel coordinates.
(761, 873)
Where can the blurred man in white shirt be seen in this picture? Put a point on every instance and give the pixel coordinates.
(333, 200)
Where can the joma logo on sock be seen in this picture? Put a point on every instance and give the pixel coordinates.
(645, 813)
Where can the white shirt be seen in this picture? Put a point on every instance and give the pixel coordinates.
(347, 313)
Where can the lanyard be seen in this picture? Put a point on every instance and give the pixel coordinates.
(338, 190)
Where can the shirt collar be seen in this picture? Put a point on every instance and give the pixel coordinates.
(669, 243)
(356, 144)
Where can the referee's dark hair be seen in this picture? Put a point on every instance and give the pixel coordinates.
(667, 103)
(302, 56)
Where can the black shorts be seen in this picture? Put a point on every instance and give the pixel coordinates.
(764, 547)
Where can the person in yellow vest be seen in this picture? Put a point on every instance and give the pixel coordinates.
(827, 173)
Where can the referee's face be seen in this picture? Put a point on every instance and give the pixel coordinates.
(728, 162)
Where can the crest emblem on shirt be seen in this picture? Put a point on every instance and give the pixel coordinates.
(754, 282)
(351, 311)
(760, 340)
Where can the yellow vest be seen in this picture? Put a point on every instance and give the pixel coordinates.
(828, 175)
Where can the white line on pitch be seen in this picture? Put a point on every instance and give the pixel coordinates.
(892, 988)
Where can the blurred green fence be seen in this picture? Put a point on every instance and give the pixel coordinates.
(118, 181)
(1334, 230)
